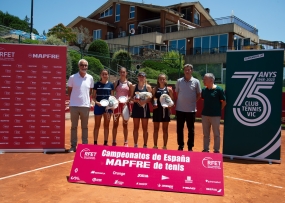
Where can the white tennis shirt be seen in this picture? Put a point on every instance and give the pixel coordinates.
(80, 94)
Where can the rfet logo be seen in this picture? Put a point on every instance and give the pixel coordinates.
(208, 162)
(86, 154)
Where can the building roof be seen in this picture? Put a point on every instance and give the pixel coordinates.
(149, 7)
(79, 18)
(200, 8)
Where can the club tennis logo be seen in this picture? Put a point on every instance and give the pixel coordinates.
(86, 154)
(252, 108)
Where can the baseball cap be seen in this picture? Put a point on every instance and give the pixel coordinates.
(142, 74)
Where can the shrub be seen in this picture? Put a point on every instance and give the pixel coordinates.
(95, 76)
(151, 73)
(100, 50)
(196, 75)
(52, 40)
(30, 41)
(122, 58)
(94, 64)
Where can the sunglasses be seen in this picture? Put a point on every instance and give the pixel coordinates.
(83, 65)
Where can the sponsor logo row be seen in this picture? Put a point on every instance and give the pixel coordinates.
(18, 112)
(33, 93)
(29, 137)
(159, 185)
(29, 143)
(188, 179)
(18, 122)
(26, 82)
(8, 115)
(44, 129)
(31, 104)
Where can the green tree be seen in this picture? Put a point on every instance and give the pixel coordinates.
(68, 65)
(15, 22)
(121, 58)
(174, 60)
(52, 40)
(151, 73)
(26, 19)
(100, 50)
(62, 32)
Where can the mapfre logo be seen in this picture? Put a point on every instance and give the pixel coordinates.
(43, 56)
(208, 162)
(252, 107)
(86, 154)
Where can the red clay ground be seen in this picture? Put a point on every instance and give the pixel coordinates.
(245, 181)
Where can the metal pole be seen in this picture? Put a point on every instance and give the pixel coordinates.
(128, 52)
(32, 16)
(179, 64)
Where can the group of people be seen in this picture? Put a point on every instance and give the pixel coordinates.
(82, 90)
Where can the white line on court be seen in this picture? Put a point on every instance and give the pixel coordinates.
(250, 181)
(17, 174)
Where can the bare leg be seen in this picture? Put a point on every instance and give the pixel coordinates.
(97, 126)
(115, 128)
(145, 132)
(125, 126)
(155, 132)
(106, 126)
(136, 129)
(165, 133)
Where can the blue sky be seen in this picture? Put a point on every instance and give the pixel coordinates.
(267, 15)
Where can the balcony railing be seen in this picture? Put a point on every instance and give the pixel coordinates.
(143, 29)
(137, 50)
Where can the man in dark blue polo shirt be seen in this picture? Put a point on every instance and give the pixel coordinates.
(214, 101)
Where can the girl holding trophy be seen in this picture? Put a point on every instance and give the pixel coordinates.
(162, 103)
(141, 93)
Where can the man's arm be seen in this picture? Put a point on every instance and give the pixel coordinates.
(223, 103)
(198, 92)
(198, 96)
(69, 90)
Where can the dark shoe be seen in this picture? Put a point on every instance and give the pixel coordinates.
(217, 152)
(180, 148)
(205, 150)
(72, 149)
(190, 150)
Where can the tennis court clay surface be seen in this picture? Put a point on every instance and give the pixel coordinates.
(39, 177)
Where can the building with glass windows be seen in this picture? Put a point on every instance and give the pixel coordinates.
(185, 27)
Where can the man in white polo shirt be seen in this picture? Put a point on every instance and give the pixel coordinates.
(79, 90)
(188, 91)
